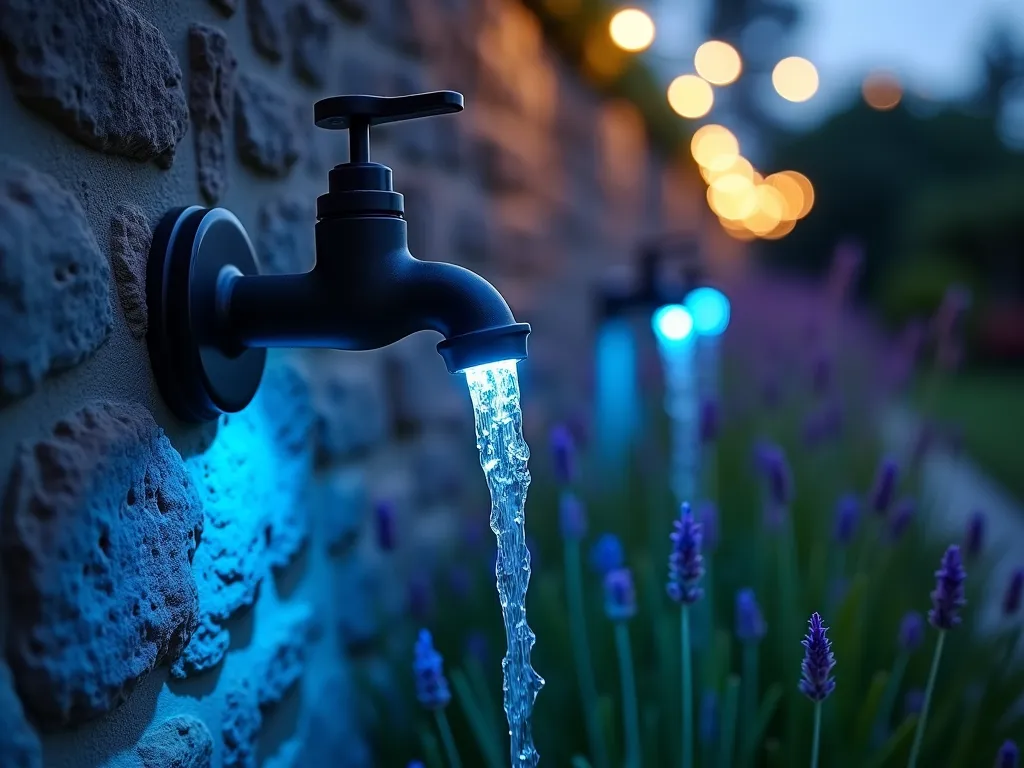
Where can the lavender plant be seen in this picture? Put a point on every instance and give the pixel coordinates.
(432, 691)
(816, 681)
(620, 607)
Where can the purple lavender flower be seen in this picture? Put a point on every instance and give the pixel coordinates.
(563, 453)
(572, 517)
(707, 514)
(816, 669)
(778, 480)
(1008, 755)
(428, 666)
(384, 525)
(607, 554)
(1014, 592)
(619, 595)
(685, 563)
(750, 624)
(974, 541)
(884, 489)
(913, 701)
(847, 516)
(911, 632)
(948, 595)
(417, 764)
(710, 420)
(901, 518)
(707, 726)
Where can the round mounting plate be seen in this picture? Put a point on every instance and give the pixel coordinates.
(192, 248)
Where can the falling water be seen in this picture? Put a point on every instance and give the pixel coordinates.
(503, 457)
(681, 403)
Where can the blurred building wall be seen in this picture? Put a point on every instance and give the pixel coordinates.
(165, 585)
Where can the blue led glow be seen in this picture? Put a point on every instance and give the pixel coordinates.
(709, 309)
(671, 323)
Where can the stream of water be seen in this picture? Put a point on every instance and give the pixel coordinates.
(504, 456)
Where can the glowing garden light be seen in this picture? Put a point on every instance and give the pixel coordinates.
(672, 323)
(709, 311)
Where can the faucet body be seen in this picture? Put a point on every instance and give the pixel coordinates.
(212, 315)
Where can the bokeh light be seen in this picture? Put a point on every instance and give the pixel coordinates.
(784, 181)
(709, 308)
(881, 91)
(792, 194)
(733, 196)
(740, 165)
(718, 63)
(672, 322)
(795, 79)
(768, 208)
(690, 96)
(714, 147)
(632, 30)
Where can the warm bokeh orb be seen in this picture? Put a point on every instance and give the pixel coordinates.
(881, 91)
(718, 63)
(739, 166)
(632, 30)
(795, 79)
(792, 193)
(714, 147)
(690, 96)
(733, 196)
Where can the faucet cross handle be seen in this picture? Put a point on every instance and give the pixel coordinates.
(358, 112)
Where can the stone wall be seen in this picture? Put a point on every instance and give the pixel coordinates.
(167, 586)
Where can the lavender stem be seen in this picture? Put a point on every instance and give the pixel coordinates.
(915, 750)
(630, 713)
(447, 739)
(687, 688)
(816, 742)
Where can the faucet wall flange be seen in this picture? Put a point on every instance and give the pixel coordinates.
(194, 250)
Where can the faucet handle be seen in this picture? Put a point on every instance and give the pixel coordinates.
(340, 112)
(358, 113)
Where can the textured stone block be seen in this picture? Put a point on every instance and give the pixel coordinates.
(471, 238)
(358, 621)
(394, 24)
(54, 281)
(267, 27)
(99, 72)
(180, 742)
(252, 481)
(100, 525)
(265, 127)
(351, 412)
(227, 7)
(130, 239)
(441, 466)
(211, 96)
(284, 236)
(310, 33)
(19, 744)
(333, 735)
(278, 663)
(341, 506)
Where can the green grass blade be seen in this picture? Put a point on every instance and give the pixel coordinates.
(486, 738)
(899, 738)
(869, 710)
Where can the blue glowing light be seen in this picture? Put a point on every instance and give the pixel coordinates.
(672, 322)
(709, 309)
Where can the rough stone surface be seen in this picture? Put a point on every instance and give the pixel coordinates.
(99, 72)
(100, 527)
(284, 236)
(267, 27)
(341, 507)
(330, 732)
(227, 7)
(280, 662)
(252, 481)
(130, 239)
(351, 415)
(310, 33)
(180, 742)
(54, 281)
(265, 127)
(211, 100)
(440, 467)
(19, 744)
(358, 621)
(470, 237)
(394, 24)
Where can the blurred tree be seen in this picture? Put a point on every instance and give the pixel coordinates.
(1002, 65)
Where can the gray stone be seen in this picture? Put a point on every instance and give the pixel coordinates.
(358, 621)
(265, 127)
(211, 99)
(310, 33)
(54, 281)
(19, 744)
(471, 237)
(284, 236)
(341, 506)
(351, 411)
(440, 476)
(240, 728)
(267, 27)
(394, 24)
(333, 733)
(100, 526)
(130, 239)
(227, 7)
(99, 72)
(252, 480)
(180, 742)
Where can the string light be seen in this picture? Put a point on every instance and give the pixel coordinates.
(632, 30)
(718, 63)
(795, 79)
(690, 96)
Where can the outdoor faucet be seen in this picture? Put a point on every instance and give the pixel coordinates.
(212, 315)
